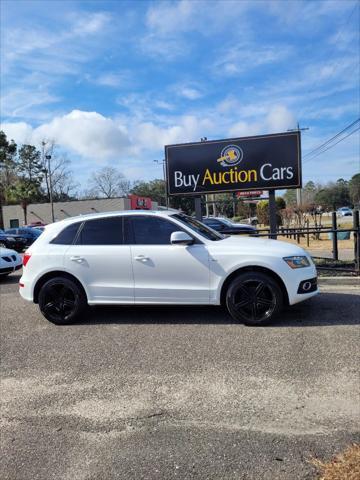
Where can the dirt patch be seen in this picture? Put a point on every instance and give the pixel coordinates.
(344, 466)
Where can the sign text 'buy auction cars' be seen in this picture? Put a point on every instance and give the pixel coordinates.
(249, 163)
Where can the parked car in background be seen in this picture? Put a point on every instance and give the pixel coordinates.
(14, 242)
(161, 258)
(27, 233)
(344, 212)
(36, 225)
(9, 261)
(225, 226)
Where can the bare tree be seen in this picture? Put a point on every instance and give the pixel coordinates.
(57, 174)
(109, 182)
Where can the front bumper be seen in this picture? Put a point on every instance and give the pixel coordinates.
(296, 281)
(10, 269)
(308, 286)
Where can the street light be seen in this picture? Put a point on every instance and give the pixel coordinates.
(164, 173)
(47, 172)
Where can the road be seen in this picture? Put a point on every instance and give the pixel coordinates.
(177, 393)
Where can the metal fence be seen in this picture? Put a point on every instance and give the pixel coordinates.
(300, 232)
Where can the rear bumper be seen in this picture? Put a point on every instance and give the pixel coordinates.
(25, 290)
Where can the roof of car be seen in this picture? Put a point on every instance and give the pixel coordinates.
(90, 216)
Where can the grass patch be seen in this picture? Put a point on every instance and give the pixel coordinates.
(344, 466)
(330, 266)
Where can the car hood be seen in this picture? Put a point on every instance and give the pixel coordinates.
(7, 251)
(257, 246)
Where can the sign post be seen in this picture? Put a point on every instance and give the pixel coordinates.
(272, 214)
(198, 213)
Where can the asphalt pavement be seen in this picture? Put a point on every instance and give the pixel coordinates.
(177, 392)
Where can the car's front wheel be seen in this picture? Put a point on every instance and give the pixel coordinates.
(254, 298)
(62, 301)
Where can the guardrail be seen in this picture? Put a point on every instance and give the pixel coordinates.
(297, 232)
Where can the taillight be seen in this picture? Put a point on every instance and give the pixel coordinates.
(26, 258)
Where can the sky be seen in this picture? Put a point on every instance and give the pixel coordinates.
(112, 82)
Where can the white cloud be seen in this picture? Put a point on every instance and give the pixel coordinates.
(186, 128)
(19, 102)
(168, 22)
(88, 24)
(86, 133)
(110, 79)
(167, 17)
(243, 129)
(21, 132)
(278, 119)
(188, 91)
(244, 57)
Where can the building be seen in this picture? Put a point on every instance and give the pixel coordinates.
(13, 215)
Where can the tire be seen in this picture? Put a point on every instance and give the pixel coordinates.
(62, 301)
(254, 298)
(2, 244)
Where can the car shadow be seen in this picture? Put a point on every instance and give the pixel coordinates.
(327, 309)
(10, 279)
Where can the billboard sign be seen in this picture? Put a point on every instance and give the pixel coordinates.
(263, 162)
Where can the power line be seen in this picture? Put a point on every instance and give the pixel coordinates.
(333, 145)
(320, 147)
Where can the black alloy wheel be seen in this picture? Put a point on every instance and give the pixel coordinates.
(254, 298)
(2, 244)
(61, 300)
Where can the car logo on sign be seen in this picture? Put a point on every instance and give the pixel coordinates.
(230, 156)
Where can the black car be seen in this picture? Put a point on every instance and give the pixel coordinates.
(223, 225)
(14, 242)
(29, 235)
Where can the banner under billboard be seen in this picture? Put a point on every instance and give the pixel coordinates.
(263, 162)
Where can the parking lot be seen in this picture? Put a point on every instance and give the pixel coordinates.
(177, 393)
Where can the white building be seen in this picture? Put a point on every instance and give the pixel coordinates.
(13, 215)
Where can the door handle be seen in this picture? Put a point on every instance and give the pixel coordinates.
(77, 259)
(141, 258)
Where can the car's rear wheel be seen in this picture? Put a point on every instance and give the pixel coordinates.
(2, 244)
(62, 301)
(254, 298)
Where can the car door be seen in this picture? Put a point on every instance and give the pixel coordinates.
(166, 273)
(101, 261)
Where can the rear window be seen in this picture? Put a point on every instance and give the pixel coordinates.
(68, 235)
(103, 231)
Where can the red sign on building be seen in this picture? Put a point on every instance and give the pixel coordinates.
(140, 203)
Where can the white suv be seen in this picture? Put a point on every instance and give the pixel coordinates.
(161, 258)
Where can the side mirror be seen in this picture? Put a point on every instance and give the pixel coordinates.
(181, 238)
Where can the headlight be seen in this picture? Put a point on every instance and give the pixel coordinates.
(297, 262)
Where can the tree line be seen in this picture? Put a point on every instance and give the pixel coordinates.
(29, 174)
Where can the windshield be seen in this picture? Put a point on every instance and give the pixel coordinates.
(226, 221)
(199, 227)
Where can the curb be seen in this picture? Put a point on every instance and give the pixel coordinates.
(339, 281)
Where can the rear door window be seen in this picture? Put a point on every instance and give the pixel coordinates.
(68, 235)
